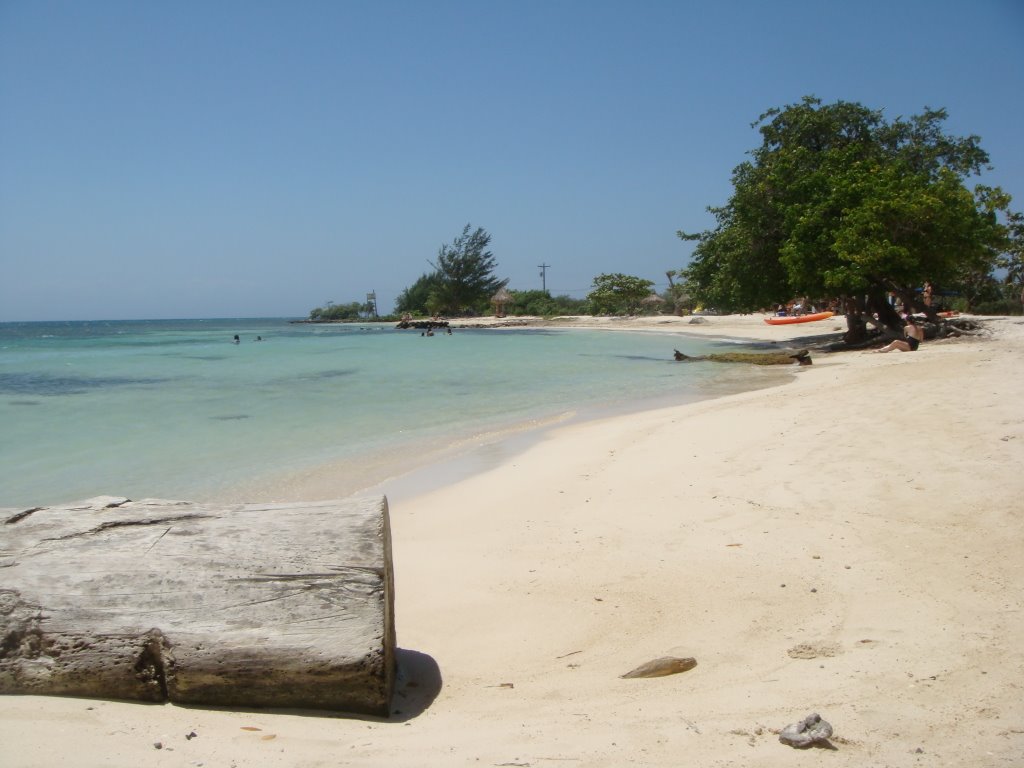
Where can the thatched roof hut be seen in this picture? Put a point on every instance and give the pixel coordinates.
(652, 303)
(500, 300)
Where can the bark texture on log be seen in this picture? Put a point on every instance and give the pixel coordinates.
(254, 605)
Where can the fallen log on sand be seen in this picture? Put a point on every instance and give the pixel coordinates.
(253, 605)
(800, 357)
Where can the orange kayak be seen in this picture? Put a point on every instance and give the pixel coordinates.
(790, 319)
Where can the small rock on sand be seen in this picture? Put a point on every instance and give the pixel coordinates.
(809, 731)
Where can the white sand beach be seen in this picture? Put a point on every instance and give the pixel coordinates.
(848, 543)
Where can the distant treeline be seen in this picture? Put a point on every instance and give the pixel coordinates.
(335, 312)
(533, 303)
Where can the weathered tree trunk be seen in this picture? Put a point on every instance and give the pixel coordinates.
(878, 302)
(276, 605)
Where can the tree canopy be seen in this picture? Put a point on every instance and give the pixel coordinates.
(462, 282)
(1013, 260)
(618, 294)
(838, 202)
(541, 303)
(417, 298)
(335, 312)
(464, 278)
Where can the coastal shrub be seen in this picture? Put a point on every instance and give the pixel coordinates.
(415, 298)
(999, 307)
(538, 303)
(333, 312)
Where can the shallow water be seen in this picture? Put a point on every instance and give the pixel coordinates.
(174, 409)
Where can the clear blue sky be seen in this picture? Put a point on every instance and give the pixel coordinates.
(229, 158)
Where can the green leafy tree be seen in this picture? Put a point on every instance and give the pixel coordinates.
(464, 272)
(541, 303)
(678, 294)
(416, 299)
(838, 202)
(335, 312)
(1012, 259)
(618, 294)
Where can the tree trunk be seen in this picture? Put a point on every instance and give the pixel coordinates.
(856, 328)
(878, 304)
(272, 605)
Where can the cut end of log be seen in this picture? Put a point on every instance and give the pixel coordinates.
(199, 619)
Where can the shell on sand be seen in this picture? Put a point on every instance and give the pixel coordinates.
(666, 665)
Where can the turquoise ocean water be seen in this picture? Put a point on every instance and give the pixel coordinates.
(174, 409)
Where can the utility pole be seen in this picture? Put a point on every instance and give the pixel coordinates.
(544, 276)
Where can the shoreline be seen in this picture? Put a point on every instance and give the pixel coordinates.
(459, 462)
(433, 465)
(882, 491)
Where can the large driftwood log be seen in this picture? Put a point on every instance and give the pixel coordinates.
(800, 357)
(276, 605)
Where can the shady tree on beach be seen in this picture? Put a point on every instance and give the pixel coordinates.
(839, 201)
(618, 294)
(462, 282)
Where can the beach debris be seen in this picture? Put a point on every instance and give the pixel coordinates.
(800, 357)
(666, 665)
(810, 731)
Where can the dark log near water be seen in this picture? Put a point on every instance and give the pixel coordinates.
(421, 325)
(252, 605)
(800, 357)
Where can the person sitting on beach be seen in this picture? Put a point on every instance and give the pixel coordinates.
(914, 337)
